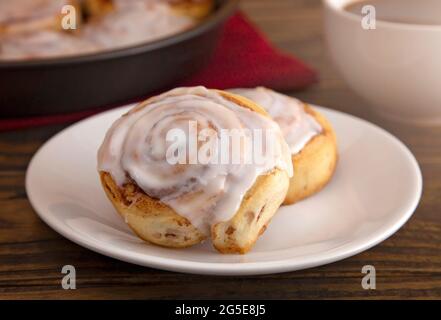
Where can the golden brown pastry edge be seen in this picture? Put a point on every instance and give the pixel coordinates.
(315, 164)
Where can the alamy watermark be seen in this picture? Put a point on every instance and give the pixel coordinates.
(369, 281)
(69, 20)
(224, 146)
(69, 281)
(369, 17)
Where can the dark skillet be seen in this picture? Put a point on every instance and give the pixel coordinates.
(50, 86)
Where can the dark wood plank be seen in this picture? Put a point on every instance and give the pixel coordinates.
(408, 264)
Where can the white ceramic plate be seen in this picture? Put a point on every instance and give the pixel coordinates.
(376, 188)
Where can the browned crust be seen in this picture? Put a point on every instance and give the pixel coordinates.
(239, 234)
(315, 164)
(196, 9)
(94, 9)
(243, 102)
(149, 218)
(157, 223)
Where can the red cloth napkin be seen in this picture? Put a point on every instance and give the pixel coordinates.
(244, 58)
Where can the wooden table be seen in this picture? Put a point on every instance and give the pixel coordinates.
(408, 264)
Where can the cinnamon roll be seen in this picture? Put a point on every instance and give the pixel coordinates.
(310, 136)
(176, 173)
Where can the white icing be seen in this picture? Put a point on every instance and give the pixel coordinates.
(134, 22)
(45, 43)
(205, 194)
(297, 125)
(16, 11)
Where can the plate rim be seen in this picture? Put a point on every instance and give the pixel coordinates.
(229, 268)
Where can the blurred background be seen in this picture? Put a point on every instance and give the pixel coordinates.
(410, 262)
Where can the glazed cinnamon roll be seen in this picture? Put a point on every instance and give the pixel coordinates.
(309, 135)
(187, 165)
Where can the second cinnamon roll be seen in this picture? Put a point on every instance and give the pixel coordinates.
(310, 136)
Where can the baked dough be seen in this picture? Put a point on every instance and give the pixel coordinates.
(197, 9)
(156, 222)
(315, 164)
(93, 9)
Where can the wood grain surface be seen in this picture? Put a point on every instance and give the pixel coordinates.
(408, 264)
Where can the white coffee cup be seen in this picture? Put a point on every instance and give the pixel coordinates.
(396, 67)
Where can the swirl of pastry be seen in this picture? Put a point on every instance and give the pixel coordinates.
(136, 150)
(309, 135)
